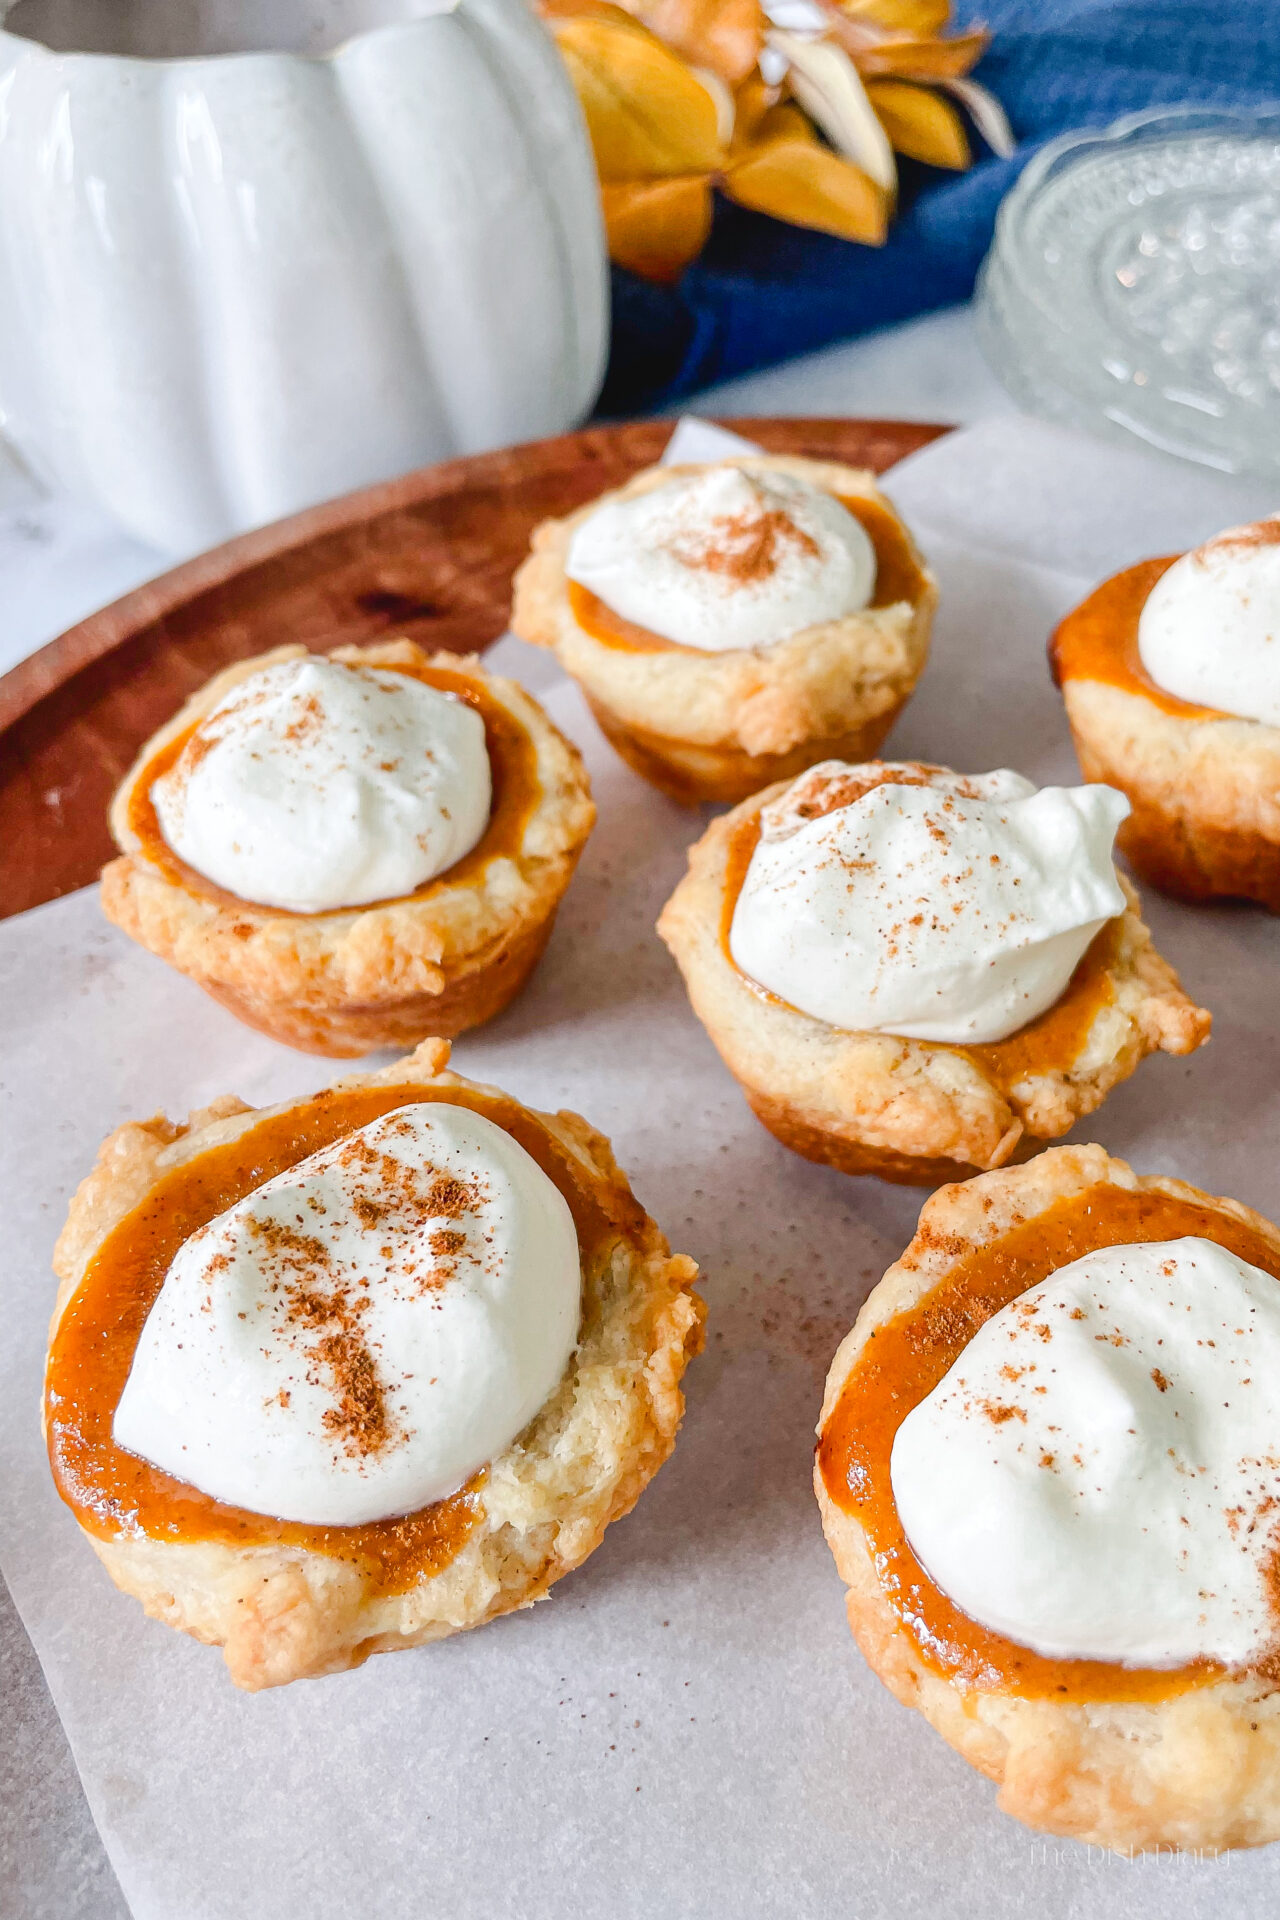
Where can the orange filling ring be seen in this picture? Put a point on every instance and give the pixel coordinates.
(1099, 641)
(513, 763)
(898, 577)
(903, 1361)
(115, 1494)
(1053, 1041)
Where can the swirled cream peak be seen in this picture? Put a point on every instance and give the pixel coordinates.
(911, 900)
(360, 1335)
(314, 786)
(724, 557)
(1098, 1475)
(1209, 631)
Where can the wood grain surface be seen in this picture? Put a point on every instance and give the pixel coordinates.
(430, 555)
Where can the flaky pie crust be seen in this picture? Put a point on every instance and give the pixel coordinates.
(1205, 792)
(346, 982)
(908, 1110)
(283, 1613)
(1199, 1770)
(717, 726)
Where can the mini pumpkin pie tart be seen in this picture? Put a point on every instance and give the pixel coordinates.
(354, 851)
(732, 623)
(1171, 677)
(1049, 1471)
(917, 973)
(340, 1376)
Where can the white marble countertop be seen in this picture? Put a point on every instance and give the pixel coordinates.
(60, 561)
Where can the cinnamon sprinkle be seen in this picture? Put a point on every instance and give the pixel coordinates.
(394, 1189)
(360, 1419)
(998, 1412)
(449, 1196)
(830, 787)
(1271, 1584)
(200, 744)
(286, 1245)
(744, 548)
(308, 718)
(418, 1209)
(1259, 533)
(211, 732)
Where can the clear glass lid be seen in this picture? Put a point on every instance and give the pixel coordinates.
(1134, 284)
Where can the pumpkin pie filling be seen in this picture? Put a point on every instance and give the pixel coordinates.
(516, 792)
(898, 578)
(905, 1359)
(115, 1494)
(1099, 641)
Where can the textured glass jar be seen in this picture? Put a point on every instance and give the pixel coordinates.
(1134, 284)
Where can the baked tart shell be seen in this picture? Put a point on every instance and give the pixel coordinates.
(1198, 1768)
(283, 1608)
(718, 726)
(345, 983)
(1204, 787)
(914, 1111)
(694, 774)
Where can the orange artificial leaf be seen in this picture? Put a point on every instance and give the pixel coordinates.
(919, 18)
(553, 10)
(827, 85)
(920, 124)
(722, 96)
(754, 98)
(676, 105)
(656, 227)
(986, 113)
(788, 173)
(922, 59)
(724, 35)
(646, 113)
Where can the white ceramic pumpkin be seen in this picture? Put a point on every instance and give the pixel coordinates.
(235, 284)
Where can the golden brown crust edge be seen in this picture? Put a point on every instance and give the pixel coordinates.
(345, 983)
(1205, 793)
(722, 776)
(285, 1613)
(703, 725)
(1198, 1771)
(908, 1110)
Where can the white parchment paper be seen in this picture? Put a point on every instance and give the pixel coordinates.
(684, 1728)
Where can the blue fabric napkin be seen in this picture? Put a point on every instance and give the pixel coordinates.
(762, 292)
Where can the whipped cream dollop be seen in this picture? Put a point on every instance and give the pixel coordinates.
(954, 910)
(314, 786)
(360, 1335)
(725, 557)
(1209, 631)
(1098, 1475)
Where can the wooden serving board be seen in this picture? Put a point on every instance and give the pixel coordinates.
(430, 555)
